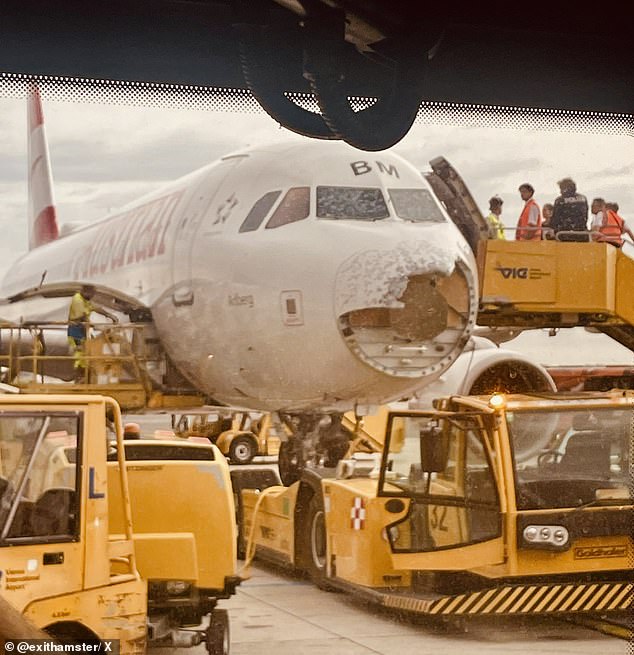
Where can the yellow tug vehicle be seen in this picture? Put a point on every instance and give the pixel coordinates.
(488, 505)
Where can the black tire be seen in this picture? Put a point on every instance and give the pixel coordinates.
(243, 449)
(316, 543)
(218, 636)
(290, 461)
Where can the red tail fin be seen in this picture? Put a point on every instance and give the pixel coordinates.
(42, 217)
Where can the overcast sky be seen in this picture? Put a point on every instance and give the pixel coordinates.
(104, 156)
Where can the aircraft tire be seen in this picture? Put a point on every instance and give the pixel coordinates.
(217, 635)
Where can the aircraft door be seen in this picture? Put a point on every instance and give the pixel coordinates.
(197, 208)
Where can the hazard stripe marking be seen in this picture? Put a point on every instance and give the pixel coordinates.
(507, 603)
(608, 596)
(571, 598)
(597, 597)
(541, 591)
(617, 602)
(452, 606)
(523, 599)
(583, 598)
(527, 595)
(502, 594)
(470, 601)
(560, 598)
(483, 600)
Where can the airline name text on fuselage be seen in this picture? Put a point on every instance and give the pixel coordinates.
(131, 237)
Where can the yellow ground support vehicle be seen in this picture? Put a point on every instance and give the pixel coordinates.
(91, 548)
(240, 435)
(184, 537)
(59, 563)
(487, 505)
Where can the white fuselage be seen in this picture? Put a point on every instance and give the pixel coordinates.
(316, 312)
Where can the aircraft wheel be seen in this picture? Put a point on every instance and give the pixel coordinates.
(290, 461)
(242, 450)
(316, 542)
(217, 636)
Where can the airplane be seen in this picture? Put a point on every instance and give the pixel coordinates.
(304, 278)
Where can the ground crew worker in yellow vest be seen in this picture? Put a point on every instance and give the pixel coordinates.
(79, 313)
(496, 227)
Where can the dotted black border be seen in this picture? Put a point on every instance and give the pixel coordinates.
(184, 96)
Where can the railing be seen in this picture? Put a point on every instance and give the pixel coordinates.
(109, 353)
(548, 234)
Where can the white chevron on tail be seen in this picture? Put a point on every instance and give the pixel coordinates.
(42, 218)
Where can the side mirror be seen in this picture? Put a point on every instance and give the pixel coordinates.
(433, 449)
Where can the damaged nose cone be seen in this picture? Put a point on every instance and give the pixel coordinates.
(424, 312)
(416, 321)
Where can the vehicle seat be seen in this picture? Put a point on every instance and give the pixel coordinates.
(21, 525)
(54, 513)
(587, 454)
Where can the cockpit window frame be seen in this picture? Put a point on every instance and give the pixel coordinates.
(437, 219)
(284, 212)
(333, 217)
(250, 224)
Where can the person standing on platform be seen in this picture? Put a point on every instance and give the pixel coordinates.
(529, 224)
(494, 220)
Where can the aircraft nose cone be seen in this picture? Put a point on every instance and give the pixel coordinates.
(406, 311)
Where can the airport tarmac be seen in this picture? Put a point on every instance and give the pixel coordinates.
(274, 613)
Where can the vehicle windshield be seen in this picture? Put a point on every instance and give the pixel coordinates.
(571, 457)
(446, 468)
(38, 475)
(351, 202)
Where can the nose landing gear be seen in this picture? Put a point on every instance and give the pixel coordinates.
(317, 441)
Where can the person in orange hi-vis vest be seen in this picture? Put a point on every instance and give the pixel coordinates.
(529, 223)
(612, 227)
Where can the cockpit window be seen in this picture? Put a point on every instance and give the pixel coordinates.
(351, 202)
(259, 211)
(295, 206)
(415, 205)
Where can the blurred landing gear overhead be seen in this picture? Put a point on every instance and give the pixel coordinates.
(317, 440)
(322, 56)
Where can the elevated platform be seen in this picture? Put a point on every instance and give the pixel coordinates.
(121, 360)
(541, 284)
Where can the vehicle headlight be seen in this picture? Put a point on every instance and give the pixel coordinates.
(177, 587)
(546, 535)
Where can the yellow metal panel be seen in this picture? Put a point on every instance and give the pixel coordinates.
(94, 506)
(274, 528)
(549, 276)
(624, 287)
(463, 557)
(362, 556)
(584, 555)
(173, 553)
(193, 497)
(116, 611)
